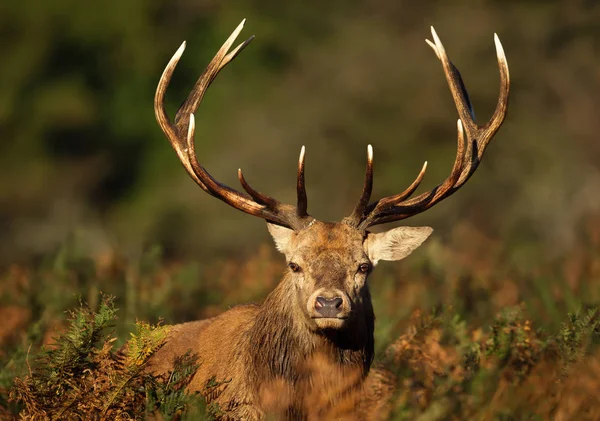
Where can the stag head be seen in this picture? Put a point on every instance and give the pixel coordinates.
(328, 263)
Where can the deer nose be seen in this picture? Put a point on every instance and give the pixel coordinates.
(328, 307)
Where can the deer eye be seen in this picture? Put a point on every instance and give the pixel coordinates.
(364, 267)
(294, 267)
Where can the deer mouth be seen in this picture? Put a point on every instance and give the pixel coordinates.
(336, 322)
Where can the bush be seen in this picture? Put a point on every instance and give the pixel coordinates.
(82, 376)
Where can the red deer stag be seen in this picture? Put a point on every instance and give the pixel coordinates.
(322, 305)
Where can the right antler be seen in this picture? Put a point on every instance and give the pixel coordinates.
(181, 136)
(468, 156)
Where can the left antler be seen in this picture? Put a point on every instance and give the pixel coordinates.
(472, 141)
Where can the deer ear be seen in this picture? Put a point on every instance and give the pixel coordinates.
(282, 237)
(396, 243)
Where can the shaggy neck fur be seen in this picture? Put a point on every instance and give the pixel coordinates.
(281, 338)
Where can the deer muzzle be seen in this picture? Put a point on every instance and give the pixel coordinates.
(329, 306)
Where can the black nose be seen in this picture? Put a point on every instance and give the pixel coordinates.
(328, 307)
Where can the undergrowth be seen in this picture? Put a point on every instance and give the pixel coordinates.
(463, 338)
(82, 376)
(510, 371)
(437, 369)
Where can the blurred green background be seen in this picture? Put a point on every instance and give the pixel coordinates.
(82, 157)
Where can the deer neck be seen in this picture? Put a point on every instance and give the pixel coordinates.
(282, 340)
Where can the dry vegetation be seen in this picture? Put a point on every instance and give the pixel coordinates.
(500, 353)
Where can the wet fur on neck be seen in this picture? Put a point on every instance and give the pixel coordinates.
(281, 339)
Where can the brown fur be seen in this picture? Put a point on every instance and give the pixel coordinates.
(249, 347)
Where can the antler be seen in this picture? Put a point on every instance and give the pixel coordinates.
(181, 136)
(472, 141)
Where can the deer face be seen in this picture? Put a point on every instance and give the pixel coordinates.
(329, 263)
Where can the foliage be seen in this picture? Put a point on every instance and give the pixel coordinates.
(81, 376)
(576, 334)
(492, 375)
(500, 357)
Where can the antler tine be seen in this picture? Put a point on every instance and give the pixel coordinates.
(472, 142)
(269, 201)
(176, 133)
(361, 207)
(301, 187)
(406, 193)
(455, 82)
(224, 192)
(479, 137)
(261, 198)
(221, 59)
(181, 136)
(163, 120)
(380, 210)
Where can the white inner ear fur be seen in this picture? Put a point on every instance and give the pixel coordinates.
(282, 237)
(396, 243)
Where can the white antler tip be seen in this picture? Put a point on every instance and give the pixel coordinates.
(302, 152)
(499, 49)
(178, 53)
(436, 39)
(235, 33)
(370, 152)
(436, 44)
(424, 166)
